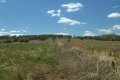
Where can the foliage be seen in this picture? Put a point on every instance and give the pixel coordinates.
(27, 38)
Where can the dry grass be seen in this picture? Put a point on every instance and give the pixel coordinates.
(74, 60)
(92, 61)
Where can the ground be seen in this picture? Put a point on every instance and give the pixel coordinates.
(67, 60)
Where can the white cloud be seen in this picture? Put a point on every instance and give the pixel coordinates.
(69, 21)
(116, 27)
(3, 1)
(54, 13)
(106, 31)
(3, 32)
(50, 11)
(114, 15)
(88, 33)
(15, 31)
(62, 33)
(2, 29)
(8, 33)
(16, 35)
(59, 11)
(72, 7)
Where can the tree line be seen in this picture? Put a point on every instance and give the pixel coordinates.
(27, 38)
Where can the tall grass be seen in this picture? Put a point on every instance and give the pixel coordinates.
(26, 61)
(90, 61)
(73, 60)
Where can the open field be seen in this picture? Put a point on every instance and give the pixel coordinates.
(67, 60)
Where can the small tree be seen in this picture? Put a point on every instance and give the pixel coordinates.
(8, 41)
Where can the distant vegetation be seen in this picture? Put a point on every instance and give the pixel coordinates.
(27, 38)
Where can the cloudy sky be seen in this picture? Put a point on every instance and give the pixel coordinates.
(74, 17)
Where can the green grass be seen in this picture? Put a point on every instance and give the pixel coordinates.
(74, 60)
(17, 61)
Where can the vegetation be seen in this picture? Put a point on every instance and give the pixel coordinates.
(21, 61)
(60, 57)
(27, 38)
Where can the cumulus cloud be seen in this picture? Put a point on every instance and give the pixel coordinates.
(114, 15)
(116, 27)
(54, 13)
(62, 33)
(2, 29)
(69, 21)
(72, 7)
(106, 31)
(88, 33)
(3, 32)
(3, 1)
(16, 35)
(15, 31)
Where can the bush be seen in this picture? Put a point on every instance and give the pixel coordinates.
(8, 41)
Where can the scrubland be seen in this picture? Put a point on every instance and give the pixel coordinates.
(67, 60)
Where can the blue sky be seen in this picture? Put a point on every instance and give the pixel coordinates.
(74, 17)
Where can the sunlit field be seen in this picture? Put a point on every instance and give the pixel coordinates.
(26, 61)
(64, 60)
(59, 39)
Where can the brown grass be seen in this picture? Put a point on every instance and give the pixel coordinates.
(73, 60)
(88, 60)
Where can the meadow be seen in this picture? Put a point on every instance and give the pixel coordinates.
(67, 60)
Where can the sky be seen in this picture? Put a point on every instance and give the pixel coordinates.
(66, 17)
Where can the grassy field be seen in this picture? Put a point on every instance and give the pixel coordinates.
(68, 60)
(21, 61)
